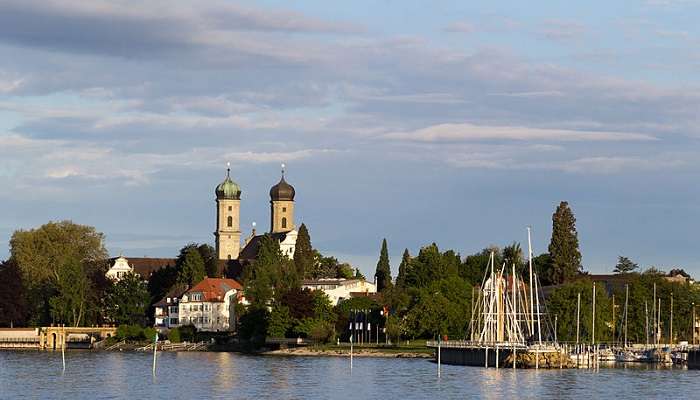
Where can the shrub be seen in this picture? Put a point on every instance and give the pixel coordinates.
(187, 333)
(149, 333)
(322, 331)
(174, 335)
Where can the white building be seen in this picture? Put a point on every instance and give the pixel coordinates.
(166, 311)
(119, 269)
(341, 289)
(210, 305)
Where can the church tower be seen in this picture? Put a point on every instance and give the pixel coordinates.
(228, 211)
(282, 206)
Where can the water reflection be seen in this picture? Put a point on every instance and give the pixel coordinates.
(228, 375)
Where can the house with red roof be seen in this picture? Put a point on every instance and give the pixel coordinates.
(210, 304)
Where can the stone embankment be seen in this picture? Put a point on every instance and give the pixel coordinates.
(311, 352)
(540, 360)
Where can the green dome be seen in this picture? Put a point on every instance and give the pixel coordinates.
(228, 189)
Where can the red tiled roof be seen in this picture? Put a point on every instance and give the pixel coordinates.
(214, 289)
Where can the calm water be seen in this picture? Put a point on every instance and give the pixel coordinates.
(234, 376)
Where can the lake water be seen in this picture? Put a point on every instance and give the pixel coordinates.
(109, 375)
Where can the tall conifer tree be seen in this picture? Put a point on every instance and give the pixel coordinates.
(403, 268)
(303, 253)
(563, 248)
(383, 274)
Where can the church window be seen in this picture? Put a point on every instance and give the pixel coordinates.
(230, 221)
(284, 222)
(230, 208)
(229, 256)
(284, 209)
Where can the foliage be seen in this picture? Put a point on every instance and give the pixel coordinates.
(127, 300)
(211, 263)
(474, 266)
(566, 257)
(542, 265)
(358, 274)
(254, 324)
(13, 307)
(563, 303)
(74, 294)
(403, 267)
(303, 252)
(131, 332)
(43, 253)
(161, 281)
(395, 328)
(431, 265)
(322, 331)
(382, 276)
(280, 321)
(149, 333)
(174, 335)
(513, 254)
(188, 333)
(271, 271)
(625, 265)
(190, 266)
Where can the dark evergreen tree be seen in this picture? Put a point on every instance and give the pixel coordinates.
(383, 273)
(403, 267)
(190, 268)
(566, 257)
(303, 253)
(625, 265)
(211, 264)
(13, 307)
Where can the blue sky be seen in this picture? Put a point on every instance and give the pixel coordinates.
(454, 122)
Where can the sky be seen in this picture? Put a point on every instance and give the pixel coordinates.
(459, 123)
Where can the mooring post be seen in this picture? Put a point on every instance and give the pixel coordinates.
(496, 356)
(155, 349)
(439, 353)
(486, 358)
(537, 360)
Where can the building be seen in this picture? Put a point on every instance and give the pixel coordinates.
(166, 310)
(143, 266)
(282, 225)
(339, 289)
(210, 304)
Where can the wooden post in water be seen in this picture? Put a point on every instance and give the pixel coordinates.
(351, 353)
(439, 355)
(486, 358)
(63, 348)
(155, 350)
(593, 318)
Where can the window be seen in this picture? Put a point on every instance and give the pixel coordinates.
(230, 208)
(284, 209)
(173, 321)
(284, 222)
(173, 309)
(230, 221)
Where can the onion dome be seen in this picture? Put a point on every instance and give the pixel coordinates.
(282, 191)
(228, 189)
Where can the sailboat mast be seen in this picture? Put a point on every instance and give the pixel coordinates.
(627, 295)
(593, 318)
(578, 317)
(529, 260)
(539, 324)
(653, 314)
(646, 323)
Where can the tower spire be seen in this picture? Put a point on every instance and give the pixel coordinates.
(228, 169)
(283, 167)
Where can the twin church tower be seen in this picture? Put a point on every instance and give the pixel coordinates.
(228, 210)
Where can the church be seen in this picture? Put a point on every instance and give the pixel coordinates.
(232, 256)
(228, 232)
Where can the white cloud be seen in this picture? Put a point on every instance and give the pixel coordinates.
(468, 132)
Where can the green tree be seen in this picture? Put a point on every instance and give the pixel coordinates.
(513, 254)
(566, 257)
(403, 267)
(190, 268)
(358, 274)
(542, 265)
(303, 253)
(211, 262)
(382, 275)
(41, 254)
(272, 272)
(624, 265)
(431, 265)
(74, 295)
(127, 301)
(563, 303)
(280, 321)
